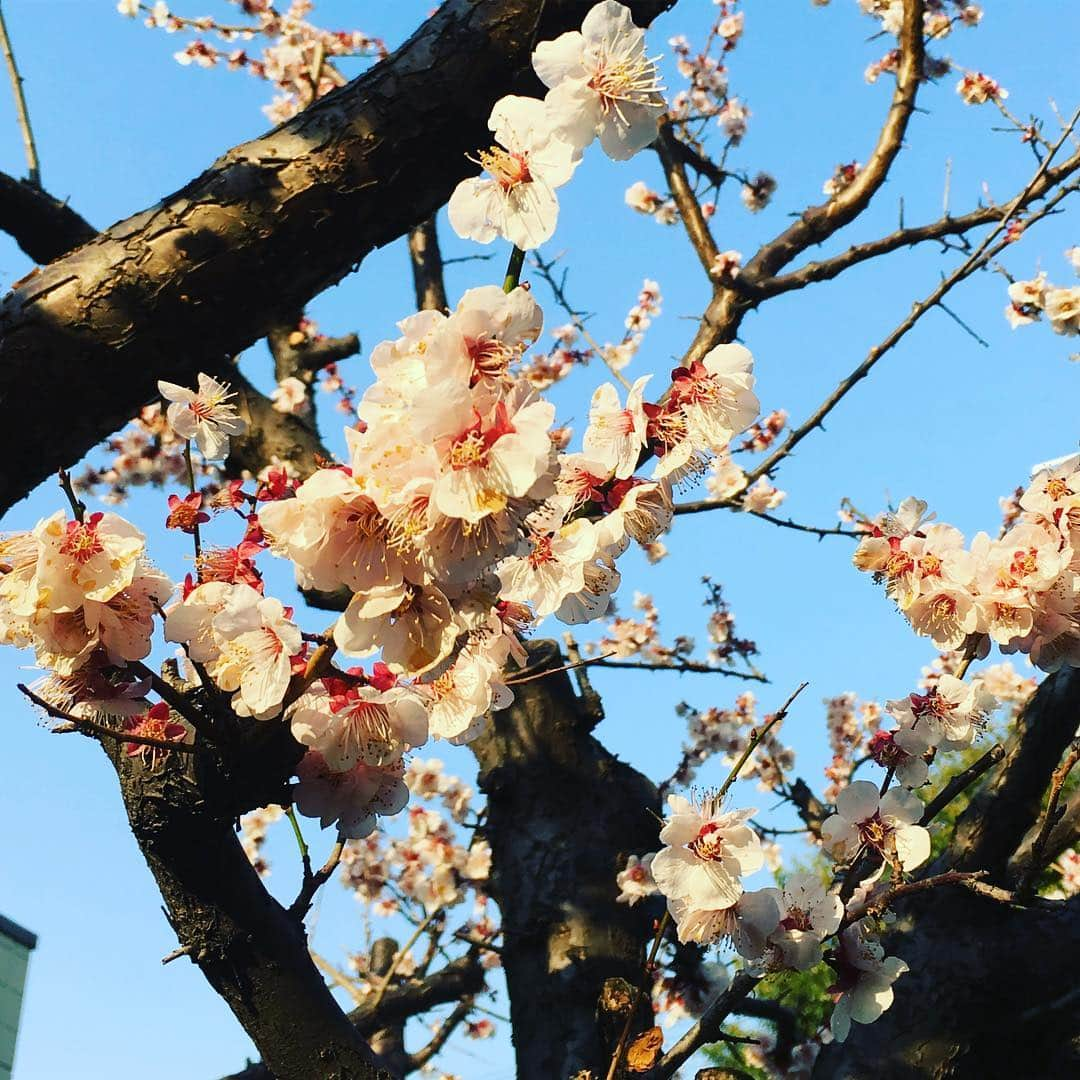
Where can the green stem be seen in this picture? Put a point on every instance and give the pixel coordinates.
(513, 270)
(301, 843)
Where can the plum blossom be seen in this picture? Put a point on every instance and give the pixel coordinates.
(155, 723)
(1063, 310)
(256, 640)
(975, 88)
(808, 915)
(635, 880)
(708, 851)
(864, 978)
(93, 559)
(885, 823)
(516, 199)
(616, 435)
(708, 403)
(602, 83)
(204, 415)
(291, 396)
(349, 723)
(414, 626)
(354, 799)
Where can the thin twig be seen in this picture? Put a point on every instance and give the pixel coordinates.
(21, 111)
(400, 955)
(1050, 819)
(313, 882)
(544, 269)
(979, 257)
(756, 737)
(960, 782)
(458, 1014)
(338, 977)
(101, 729)
(78, 507)
(722, 504)
(591, 662)
(695, 666)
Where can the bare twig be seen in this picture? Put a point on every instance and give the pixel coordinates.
(400, 955)
(313, 882)
(338, 977)
(457, 1015)
(695, 666)
(704, 505)
(1050, 819)
(95, 728)
(985, 251)
(960, 782)
(21, 111)
(826, 269)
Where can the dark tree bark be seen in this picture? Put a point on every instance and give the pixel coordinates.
(250, 949)
(208, 270)
(991, 990)
(562, 815)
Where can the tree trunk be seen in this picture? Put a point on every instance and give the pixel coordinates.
(562, 815)
(252, 951)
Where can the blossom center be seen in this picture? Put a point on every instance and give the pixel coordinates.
(82, 542)
(509, 170)
(709, 843)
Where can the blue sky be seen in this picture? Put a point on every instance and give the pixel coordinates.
(119, 124)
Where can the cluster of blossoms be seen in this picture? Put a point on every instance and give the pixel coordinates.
(298, 60)
(707, 93)
(850, 725)
(455, 524)
(1020, 591)
(625, 638)
(727, 732)
(83, 595)
(975, 88)
(939, 18)
(1030, 300)
(429, 868)
(543, 370)
(146, 453)
(601, 85)
(707, 852)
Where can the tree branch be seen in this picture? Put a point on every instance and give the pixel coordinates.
(818, 223)
(945, 226)
(43, 226)
(216, 262)
(994, 825)
(427, 266)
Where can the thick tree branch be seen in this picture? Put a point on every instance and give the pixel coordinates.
(995, 823)
(43, 226)
(206, 272)
(697, 228)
